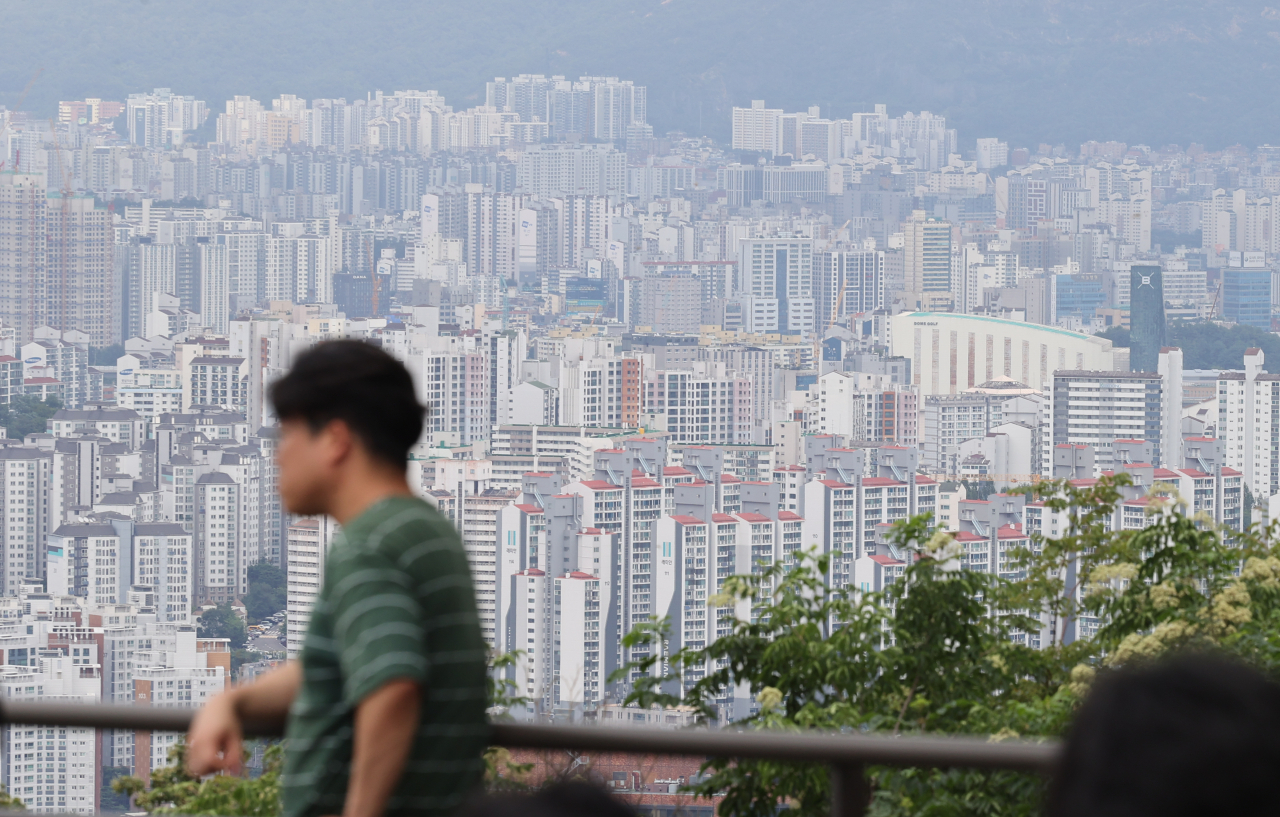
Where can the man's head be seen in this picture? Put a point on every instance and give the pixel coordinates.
(346, 406)
(1193, 735)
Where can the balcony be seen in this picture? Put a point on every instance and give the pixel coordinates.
(846, 755)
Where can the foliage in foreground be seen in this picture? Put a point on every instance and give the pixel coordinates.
(10, 802)
(943, 649)
(175, 791)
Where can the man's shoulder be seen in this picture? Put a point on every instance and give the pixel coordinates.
(400, 524)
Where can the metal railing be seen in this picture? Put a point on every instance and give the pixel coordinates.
(848, 755)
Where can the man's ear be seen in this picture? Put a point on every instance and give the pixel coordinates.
(338, 440)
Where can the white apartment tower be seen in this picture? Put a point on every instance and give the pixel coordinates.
(1246, 402)
(756, 128)
(780, 271)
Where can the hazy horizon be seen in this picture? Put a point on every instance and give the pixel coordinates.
(1055, 73)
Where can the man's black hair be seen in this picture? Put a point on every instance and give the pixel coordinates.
(1195, 735)
(360, 384)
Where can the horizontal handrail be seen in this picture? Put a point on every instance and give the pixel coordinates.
(824, 747)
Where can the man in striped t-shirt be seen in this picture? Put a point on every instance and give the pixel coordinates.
(386, 703)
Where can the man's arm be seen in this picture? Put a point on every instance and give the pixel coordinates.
(385, 724)
(216, 740)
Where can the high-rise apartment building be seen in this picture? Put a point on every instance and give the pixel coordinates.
(927, 262)
(756, 128)
(848, 282)
(23, 251)
(79, 287)
(1249, 424)
(779, 272)
(1098, 408)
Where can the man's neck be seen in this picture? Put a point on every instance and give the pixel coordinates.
(363, 490)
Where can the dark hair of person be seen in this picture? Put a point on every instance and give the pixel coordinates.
(360, 384)
(1198, 734)
(571, 799)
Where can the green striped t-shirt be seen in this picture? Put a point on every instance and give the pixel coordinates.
(397, 602)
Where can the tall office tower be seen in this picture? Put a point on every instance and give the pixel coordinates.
(1148, 332)
(1246, 296)
(1098, 408)
(79, 284)
(23, 253)
(848, 282)
(756, 128)
(927, 262)
(779, 271)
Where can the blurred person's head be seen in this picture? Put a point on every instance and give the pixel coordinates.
(1198, 734)
(573, 799)
(347, 410)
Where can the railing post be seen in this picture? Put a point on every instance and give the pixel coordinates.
(850, 793)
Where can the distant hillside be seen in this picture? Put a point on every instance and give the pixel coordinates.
(1210, 346)
(1140, 71)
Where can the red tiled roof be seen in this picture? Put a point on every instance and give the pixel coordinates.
(886, 560)
(879, 482)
